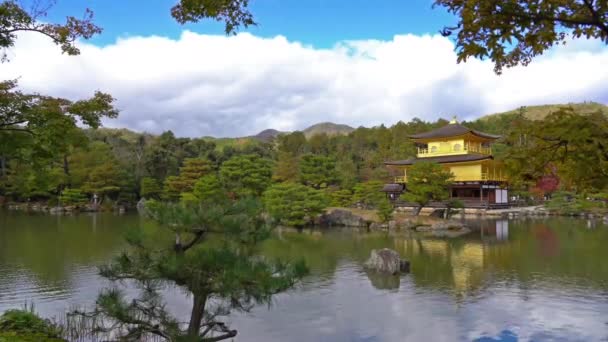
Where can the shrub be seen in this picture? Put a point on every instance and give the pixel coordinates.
(72, 197)
(294, 204)
(341, 198)
(23, 325)
(568, 203)
(369, 194)
(385, 210)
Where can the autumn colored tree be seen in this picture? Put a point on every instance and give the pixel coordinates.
(570, 145)
(286, 168)
(512, 32)
(192, 170)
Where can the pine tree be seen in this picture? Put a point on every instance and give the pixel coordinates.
(426, 182)
(219, 277)
(294, 204)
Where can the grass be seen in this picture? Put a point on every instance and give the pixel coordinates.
(27, 337)
(25, 325)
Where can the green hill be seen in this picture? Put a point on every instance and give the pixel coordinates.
(328, 128)
(540, 112)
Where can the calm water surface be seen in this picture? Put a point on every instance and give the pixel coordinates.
(528, 280)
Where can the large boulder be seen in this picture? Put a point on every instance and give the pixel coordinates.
(341, 217)
(386, 261)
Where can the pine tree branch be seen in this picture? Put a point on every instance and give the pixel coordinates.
(198, 236)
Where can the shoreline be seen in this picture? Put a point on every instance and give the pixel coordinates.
(513, 212)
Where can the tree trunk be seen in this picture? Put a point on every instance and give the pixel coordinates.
(417, 210)
(196, 317)
(2, 166)
(66, 165)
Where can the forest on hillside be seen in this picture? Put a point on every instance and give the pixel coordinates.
(120, 166)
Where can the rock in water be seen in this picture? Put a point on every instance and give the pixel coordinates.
(341, 217)
(387, 261)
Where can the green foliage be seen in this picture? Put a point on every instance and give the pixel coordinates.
(294, 204)
(15, 19)
(501, 120)
(340, 198)
(385, 210)
(209, 189)
(172, 188)
(23, 325)
(513, 32)
(569, 203)
(427, 182)
(318, 171)
(566, 143)
(286, 168)
(220, 277)
(49, 118)
(452, 204)
(192, 170)
(150, 188)
(246, 175)
(369, 194)
(346, 169)
(188, 199)
(233, 13)
(72, 197)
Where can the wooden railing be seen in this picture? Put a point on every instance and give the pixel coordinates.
(493, 176)
(425, 152)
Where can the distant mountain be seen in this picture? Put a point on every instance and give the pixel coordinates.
(540, 112)
(267, 135)
(328, 128)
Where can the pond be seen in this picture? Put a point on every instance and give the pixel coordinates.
(517, 280)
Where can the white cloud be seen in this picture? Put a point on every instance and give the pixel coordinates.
(233, 86)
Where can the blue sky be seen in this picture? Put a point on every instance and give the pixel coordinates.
(357, 62)
(320, 23)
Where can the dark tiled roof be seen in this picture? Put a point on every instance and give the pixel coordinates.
(442, 160)
(393, 187)
(452, 130)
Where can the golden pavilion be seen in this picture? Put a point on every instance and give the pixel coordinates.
(479, 180)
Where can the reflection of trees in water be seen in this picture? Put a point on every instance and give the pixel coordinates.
(49, 247)
(548, 242)
(560, 251)
(464, 266)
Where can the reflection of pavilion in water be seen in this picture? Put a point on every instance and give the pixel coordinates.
(494, 231)
(466, 260)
